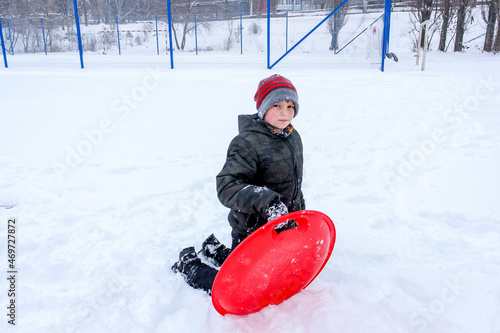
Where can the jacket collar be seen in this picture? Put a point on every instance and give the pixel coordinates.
(283, 132)
(255, 124)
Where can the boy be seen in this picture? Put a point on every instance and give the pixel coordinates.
(261, 179)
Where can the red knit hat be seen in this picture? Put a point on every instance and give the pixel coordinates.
(272, 90)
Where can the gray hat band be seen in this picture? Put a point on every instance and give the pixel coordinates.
(278, 96)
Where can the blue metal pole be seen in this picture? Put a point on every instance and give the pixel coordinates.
(303, 38)
(286, 35)
(268, 34)
(387, 25)
(195, 35)
(241, 32)
(10, 38)
(43, 35)
(118, 34)
(77, 21)
(388, 15)
(157, 44)
(170, 35)
(3, 46)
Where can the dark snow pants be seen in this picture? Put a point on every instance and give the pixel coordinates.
(202, 276)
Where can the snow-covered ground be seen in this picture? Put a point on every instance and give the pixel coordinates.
(110, 172)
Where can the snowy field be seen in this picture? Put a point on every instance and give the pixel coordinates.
(110, 172)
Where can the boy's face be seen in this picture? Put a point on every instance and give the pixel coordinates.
(280, 115)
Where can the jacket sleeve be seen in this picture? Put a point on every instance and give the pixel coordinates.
(236, 188)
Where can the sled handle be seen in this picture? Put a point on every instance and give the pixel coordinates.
(290, 224)
(298, 224)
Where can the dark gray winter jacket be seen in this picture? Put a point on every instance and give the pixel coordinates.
(260, 166)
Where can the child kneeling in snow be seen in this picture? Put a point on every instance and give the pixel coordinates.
(261, 179)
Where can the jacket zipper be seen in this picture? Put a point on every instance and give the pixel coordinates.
(295, 172)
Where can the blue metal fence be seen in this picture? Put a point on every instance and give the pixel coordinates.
(3, 46)
(269, 66)
(77, 22)
(385, 42)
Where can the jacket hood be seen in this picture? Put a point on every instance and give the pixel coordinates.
(248, 122)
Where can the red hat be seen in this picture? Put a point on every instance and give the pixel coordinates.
(272, 90)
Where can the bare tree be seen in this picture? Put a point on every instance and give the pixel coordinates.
(444, 27)
(185, 10)
(464, 16)
(496, 43)
(65, 10)
(425, 10)
(123, 7)
(145, 10)
(24, 18)
(336, 21)
(490, 27)
(230, 29)
(185, 7)
(83, 5)
(459, 37)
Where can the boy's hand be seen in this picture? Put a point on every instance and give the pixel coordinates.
(276, 209)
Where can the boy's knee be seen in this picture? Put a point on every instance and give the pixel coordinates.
(202, 277)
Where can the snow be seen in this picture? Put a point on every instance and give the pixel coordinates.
(110, 172)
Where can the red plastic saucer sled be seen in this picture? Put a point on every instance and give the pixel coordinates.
(274, 263)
